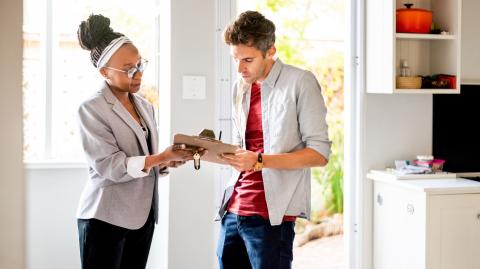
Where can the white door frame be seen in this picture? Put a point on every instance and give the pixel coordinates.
(225, 76)
(357, 235)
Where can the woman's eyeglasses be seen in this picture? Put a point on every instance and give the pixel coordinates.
(141, 65)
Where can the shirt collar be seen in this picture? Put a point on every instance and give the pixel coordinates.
(274, 73)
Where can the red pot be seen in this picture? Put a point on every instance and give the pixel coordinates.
(413, 20)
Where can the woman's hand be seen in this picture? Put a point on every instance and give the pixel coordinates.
(180, 152)
(177, 153)
(175, 164)
(173, 156)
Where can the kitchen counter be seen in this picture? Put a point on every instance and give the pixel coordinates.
(431, 186)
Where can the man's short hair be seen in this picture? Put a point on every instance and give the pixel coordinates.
(252, 29)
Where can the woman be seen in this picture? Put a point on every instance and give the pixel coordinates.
(118, 206)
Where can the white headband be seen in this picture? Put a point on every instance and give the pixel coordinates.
(111, 49)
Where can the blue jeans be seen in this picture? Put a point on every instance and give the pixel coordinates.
(251, 242)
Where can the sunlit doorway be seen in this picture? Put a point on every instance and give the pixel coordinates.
(310, 35)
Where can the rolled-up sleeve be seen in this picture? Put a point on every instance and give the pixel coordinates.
(312, 112)
(136, 165)
(101, 149)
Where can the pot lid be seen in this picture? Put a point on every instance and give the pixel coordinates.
(410, 9)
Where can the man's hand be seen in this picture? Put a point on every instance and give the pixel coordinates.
(241, 160)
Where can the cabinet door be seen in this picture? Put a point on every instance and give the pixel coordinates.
(454, 231)
(470, 42)
(399, 228)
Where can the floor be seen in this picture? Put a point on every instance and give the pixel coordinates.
(324, 253)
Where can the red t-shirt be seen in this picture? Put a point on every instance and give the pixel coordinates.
(248, 196)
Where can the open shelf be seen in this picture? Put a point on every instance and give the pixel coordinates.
(427, 91)
(425, 54)
(425, 36)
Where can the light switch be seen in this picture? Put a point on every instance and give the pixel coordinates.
(194, 87)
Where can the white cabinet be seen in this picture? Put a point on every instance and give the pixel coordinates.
(398, 228)
(454, 222)
(428, 223)
(426, 54)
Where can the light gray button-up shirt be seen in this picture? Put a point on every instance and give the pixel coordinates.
(293, 118)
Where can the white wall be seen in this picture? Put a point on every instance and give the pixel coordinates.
(395, 127)
(52, 198)
(398, 127)
(12, 190)
(191, 227)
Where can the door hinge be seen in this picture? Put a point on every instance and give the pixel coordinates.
(356, 60)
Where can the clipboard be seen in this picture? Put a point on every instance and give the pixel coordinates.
(213, 146)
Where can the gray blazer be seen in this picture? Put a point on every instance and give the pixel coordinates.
(110, 136)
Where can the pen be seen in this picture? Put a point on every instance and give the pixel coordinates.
(220, 136)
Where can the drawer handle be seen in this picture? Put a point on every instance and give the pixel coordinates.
(379, 199)
(410, 209)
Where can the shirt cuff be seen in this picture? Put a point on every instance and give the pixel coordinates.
(135, 166)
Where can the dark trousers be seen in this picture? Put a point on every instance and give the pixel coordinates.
(251, 242)
(106, 246)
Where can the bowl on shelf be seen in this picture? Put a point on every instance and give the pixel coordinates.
(409, 82)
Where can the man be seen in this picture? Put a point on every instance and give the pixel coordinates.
(279, 122)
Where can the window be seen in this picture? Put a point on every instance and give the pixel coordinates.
(58, 74)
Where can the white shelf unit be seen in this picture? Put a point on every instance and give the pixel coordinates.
(426, 54)
(424, 36)
(427, 91)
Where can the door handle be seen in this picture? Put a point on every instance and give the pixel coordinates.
(379, 199)
(410, 209)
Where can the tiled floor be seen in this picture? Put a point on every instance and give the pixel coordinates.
(324, 253)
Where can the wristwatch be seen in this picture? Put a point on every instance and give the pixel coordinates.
(259, 165)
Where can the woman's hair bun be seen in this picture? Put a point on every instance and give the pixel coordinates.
(92, 31)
